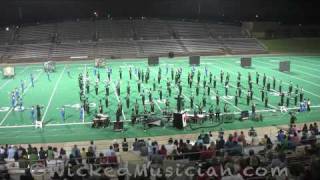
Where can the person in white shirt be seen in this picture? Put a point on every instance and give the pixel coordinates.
(11, 152)
(109, 152)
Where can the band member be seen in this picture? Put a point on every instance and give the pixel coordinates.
(264, 79)
(191, 101)
(82, 114)
(136, 107)
(120, 73)
(139, 86)
(217, 113)
(214, 82)
(106, 100)
(296, 99)
(273, 82)
(96, 87)
(239, 76)
(257, 77)
(226, 89)
(249, 77)
(236, 99)
(217, 99)
(288, 101)
(262, 94)
(204, 100)
(100, 107)
(301, 95)
(210, 78)
(160, 93)
(152, 106)
(130, 73)
(268, 86)
(143, 98)
(266, 100)
(290, 88)
(239, 91)
(118, 88)
(248, 98)
(221, 76)
(309, 105)
(253, 109)
(128, 101)
(281, 99)
(211, 113)
(208, 90)
(128, 88)
(280, 86)
(197, 90)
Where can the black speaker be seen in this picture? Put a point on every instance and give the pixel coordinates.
(246, 62)
(153, 60)
(284, 66)
(194, 60)
(244, 115)
(177, 120)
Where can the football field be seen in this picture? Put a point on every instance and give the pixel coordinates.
(61, 89)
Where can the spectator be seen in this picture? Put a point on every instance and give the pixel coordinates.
(50, 155)
(253, 160)
(11, 152)
(94, 147)
(75, 151)
(115, 146)
(242, 139)
(170, 147)
(125, 145)
(42, 154)
(295, 139)
(163, 151)
(109, 152)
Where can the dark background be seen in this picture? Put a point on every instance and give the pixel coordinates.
(284, 11)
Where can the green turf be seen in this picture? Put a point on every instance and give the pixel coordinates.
(293, 45)
(16, 127)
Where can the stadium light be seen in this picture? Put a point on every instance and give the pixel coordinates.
(7, 28)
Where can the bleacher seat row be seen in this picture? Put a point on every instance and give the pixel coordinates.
(124, 38)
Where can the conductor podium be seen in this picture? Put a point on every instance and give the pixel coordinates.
(179, 120)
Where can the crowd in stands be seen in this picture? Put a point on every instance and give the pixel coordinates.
(207, 150)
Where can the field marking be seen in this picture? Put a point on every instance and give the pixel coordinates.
(11, 109)
(292, 76)
(118, 99)
(52, 94)
(255, 97)
(145, 89)
(284, 82)
(294, 59)
(308, 74)
(9, 80)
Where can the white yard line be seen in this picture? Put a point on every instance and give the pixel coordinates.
(145, 89)
(118, 99)
(309, 92)
(302, 72)
(9, 80)
(11, 109)
(310, 82)
(52, 94)
(255, 97)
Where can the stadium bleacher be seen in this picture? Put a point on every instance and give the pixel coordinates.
(125, 38)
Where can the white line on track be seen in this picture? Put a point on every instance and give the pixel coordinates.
(11, 109)
(52, 94)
